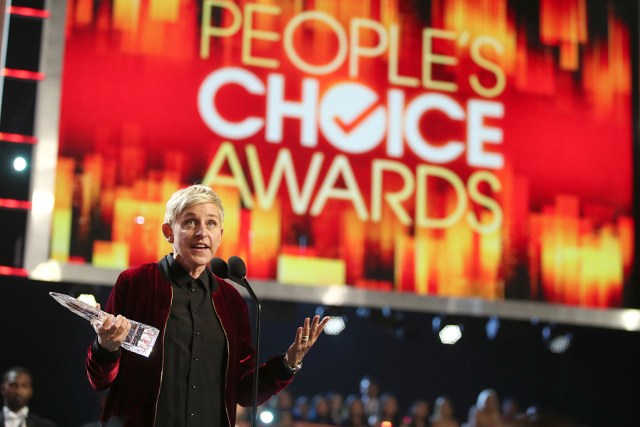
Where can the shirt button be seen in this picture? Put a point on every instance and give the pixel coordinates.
(193, 290)
(197, 359)
(194, 310)
(191, 414)
(193, 386)
(197, 332)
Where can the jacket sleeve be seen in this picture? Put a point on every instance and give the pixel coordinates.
(101, 365)
(273, 377)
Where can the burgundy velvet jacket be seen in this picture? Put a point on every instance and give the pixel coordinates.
(144, 294)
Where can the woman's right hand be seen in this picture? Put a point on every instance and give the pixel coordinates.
(112, 332)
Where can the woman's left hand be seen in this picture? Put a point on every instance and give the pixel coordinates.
(306, 337)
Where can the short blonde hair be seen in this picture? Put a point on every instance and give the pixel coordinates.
(185, 198)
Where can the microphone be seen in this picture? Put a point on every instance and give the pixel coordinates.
(219, 267)
(237, 269)
(237, 272)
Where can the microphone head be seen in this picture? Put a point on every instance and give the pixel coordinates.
(237, 268)
(219, 268)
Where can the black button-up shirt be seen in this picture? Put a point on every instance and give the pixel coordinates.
(195, 351)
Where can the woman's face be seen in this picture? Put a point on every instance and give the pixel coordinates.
(195, 236)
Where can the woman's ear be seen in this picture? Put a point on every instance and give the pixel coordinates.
(168, 232)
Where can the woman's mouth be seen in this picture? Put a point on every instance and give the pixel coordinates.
(200, 246)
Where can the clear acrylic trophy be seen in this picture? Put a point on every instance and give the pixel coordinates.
(140, 339)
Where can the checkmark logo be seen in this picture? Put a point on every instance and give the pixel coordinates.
(348, 125)
(352, 117)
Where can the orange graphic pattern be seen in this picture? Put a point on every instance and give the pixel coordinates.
(575, 251)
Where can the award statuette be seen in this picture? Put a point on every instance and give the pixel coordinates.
(140, 339)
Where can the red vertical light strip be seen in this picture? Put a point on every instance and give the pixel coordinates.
(18, 138)
(22, 74)
(15, 204)
(12, 271)
(28, 12)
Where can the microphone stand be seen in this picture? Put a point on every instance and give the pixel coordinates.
(242, 281)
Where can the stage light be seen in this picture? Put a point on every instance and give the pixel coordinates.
(266, 416)
(363, 312)
(19, 163)
(492, 327)
(436, 323)
(386, 312)
(450, 334)
(365, 382)
(43, 202)
(630, 319)
(88, 298)
(556, 341)
(48, 271)
(337, 323)
(139, 220)
(16, 162)
(335, 295)
(560, 344)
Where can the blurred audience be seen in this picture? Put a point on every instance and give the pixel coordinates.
(319, 410)
(331, 409)
(488, 409)
(510, 409)
(285, 419)
(389, 411)
(282, 402)
(17, 391)
(356, 416)
(418, 414)
(301, 409)
(511, 414)
(443, 414)
(369, 394)
(336, 408)
(471, 417)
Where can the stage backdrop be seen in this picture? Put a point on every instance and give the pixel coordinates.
(477, 148)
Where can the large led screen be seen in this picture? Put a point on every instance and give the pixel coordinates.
(468, 148)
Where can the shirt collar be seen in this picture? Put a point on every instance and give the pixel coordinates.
(9, 414)
(181, 278)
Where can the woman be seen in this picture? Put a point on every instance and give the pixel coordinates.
(203, 364)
